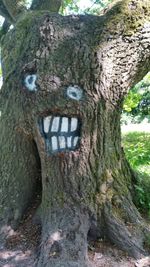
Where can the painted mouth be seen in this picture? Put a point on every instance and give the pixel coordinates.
(61, 133)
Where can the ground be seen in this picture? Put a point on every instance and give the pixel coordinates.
(21, 247)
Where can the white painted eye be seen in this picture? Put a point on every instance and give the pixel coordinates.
(74, 92)
(29, 82)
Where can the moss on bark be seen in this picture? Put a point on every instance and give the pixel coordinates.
(126, 17)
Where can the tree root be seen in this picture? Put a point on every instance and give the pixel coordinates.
(127, 236)
(64, 239)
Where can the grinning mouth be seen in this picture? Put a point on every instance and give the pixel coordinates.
(61, 133)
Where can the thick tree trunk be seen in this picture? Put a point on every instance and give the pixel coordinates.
(19, 161)
(65, 78)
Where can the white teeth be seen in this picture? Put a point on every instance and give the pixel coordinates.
(64, 125)
(75, 140)
(61, 133)
(74, 124)
(55, 124)
(69, 141)
(47, 121)
(54, 143)
(62, 142)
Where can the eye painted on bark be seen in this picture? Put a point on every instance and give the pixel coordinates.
(29, 82)
(75, 92)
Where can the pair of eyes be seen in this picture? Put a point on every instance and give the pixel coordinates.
(73, 91)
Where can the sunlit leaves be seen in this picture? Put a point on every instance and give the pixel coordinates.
(69, 6)
(131, 101)
(137, 148)
(91, 7)
(97, 6)
(138, 98)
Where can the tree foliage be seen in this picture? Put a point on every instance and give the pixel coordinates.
(69, 6)
(98, 6)
(132, 100)
(94, 7)
(137, 102)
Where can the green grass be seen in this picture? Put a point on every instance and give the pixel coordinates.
(137, 150)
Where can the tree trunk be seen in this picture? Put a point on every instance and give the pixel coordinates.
(64, 83)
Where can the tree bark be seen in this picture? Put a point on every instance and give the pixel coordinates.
(65, 79)
(50, 5)
(4, 12)
(15, 8)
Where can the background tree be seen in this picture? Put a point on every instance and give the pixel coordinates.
(137, 103)
(65, 79)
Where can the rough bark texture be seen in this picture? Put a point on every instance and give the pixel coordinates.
(50, 5)
(15, 8)
(4, 12)
(90, 188)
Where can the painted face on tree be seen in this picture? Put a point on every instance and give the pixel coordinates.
(64, 135)
(58, 88)
(61, 133)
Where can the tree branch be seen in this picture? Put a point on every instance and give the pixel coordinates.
(5, 28)
(4, 12)
(50, 5)
(14, 8)
(127, 38)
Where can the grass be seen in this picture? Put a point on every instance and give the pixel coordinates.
(137, 150)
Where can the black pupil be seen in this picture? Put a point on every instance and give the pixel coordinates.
(30, 80)
(74, 94)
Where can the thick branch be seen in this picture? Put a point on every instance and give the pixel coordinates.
(4, 12)
(5, 28)
(50, 5)
(14, 8)
(126, 52)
